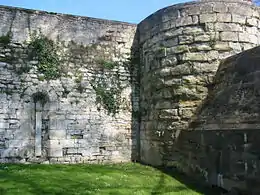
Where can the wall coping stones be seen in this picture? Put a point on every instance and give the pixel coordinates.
(69, 16)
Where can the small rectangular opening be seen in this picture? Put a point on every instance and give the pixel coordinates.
(72, 151)
(76, 136)
(102, 148)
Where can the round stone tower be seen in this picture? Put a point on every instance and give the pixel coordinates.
(181, 47)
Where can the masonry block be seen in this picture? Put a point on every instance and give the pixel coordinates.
(229, 36)
(224, 17)
(205, 18)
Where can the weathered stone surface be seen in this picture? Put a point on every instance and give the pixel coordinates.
(236, 18)
(186, 113)
(194, 57)
(228, 27)
(228, 119)
(180, 47)
(222, 46)
(223, 17)
(205, 18)
(57, 134)
(224, 29)
(69, 121)
(250, 38)
(185, 39)
(184, 21)
(166, 71)
(173, 32)
(177, 49)
(171, 42)
(220, 8)
(192, 30)
(182, 69)
(201, 47)
(235, 47)
(252, 30)
(170, 61)
(251, 21)
(202, 38)
(229, 36)
(205, 67)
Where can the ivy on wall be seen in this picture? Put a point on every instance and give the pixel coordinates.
(108, 88)
(45, 57)
(46, 52)
(109, 98)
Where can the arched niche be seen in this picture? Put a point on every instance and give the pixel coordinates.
(41, 124)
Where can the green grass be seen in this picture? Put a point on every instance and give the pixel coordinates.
(88, 179)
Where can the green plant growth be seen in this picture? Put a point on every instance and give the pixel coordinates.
(109, 98)
(78, 80)
(108, 92)
(6, 39)
(46, 52)
(79, 77)
(107, 64)
(40, 77)
(90, 179)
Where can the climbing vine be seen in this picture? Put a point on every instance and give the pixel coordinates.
(108, 90)
(46, 56)
(46, 52)
(108, 98)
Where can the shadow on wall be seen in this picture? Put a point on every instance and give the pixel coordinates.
(134, 70)
(189, 182)
(221, 144)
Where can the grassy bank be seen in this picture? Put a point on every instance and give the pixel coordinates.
(88, 179)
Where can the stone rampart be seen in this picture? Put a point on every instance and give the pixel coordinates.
(77, 89)
(65, 88)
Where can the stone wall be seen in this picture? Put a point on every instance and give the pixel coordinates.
(181, 47)
(225, 136)
(81, 114)
(123, 92)
(221, 145)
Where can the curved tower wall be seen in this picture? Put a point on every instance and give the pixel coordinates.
(181, 47)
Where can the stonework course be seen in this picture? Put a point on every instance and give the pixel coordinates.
(57, 118)
(183, 122)
(178, 89)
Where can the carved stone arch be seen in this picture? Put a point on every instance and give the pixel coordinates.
(41, 97)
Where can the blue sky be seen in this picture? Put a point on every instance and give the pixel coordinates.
(132, 11)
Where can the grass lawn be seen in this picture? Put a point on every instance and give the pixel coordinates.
(88, 179)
